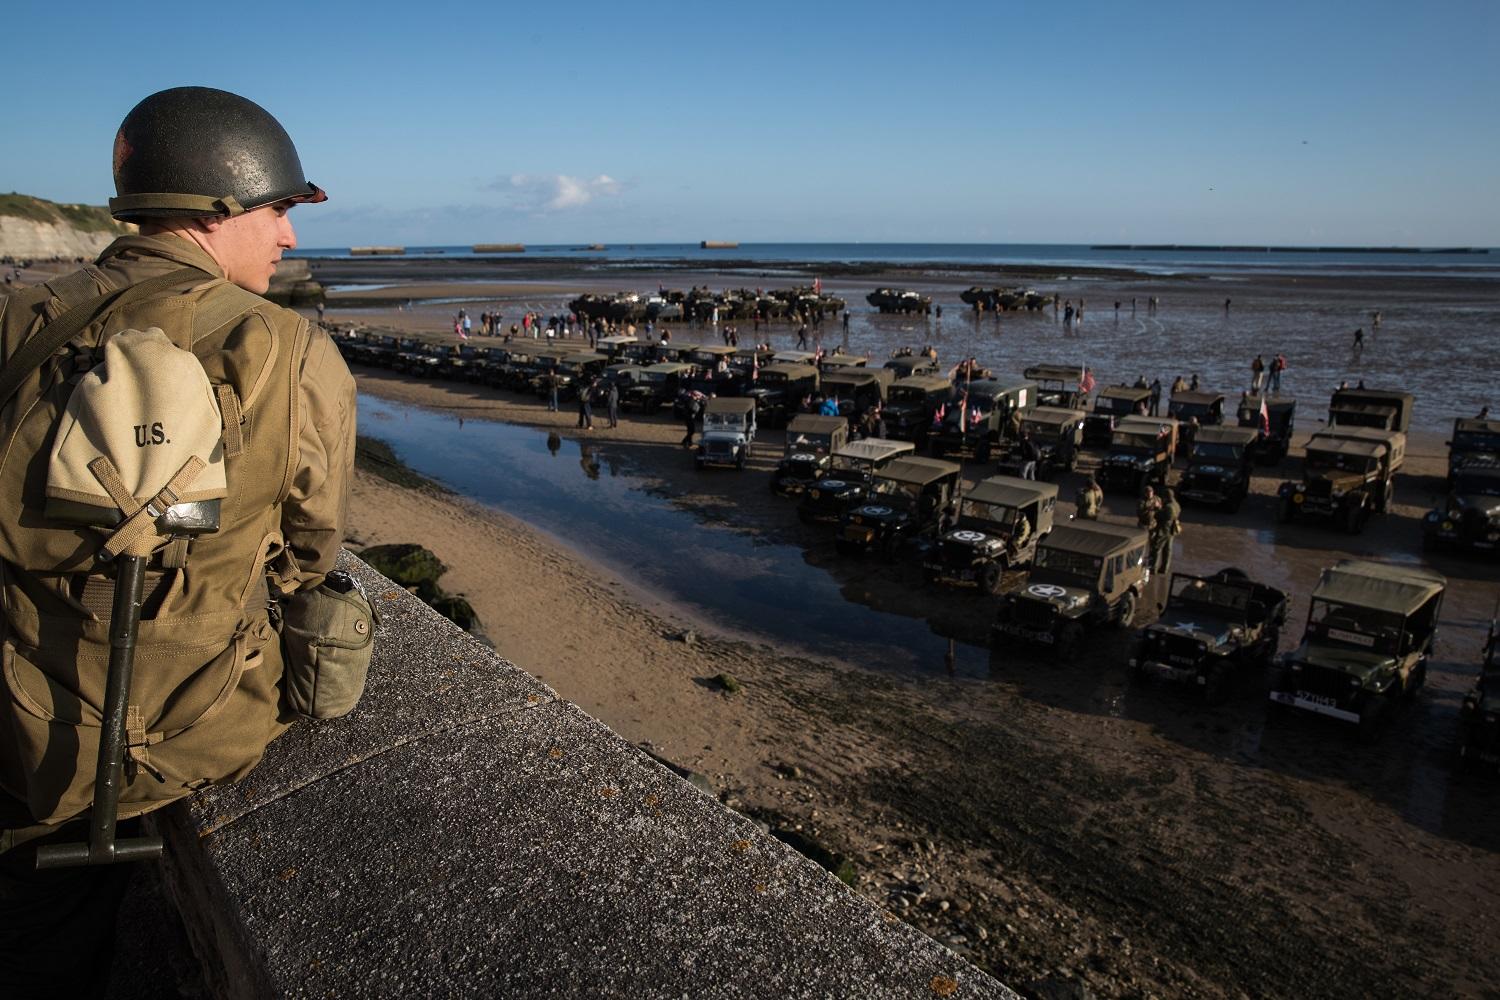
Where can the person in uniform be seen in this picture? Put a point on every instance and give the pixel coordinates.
(1089, 499)
(1167, 524)
(209, 177)
(1148, 508)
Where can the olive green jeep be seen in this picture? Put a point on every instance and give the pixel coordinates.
(1000, 522)
(1348, 474)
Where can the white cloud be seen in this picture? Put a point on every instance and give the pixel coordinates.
(555, 192)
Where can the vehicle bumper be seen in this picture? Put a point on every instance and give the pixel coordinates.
(1170, 672)
(1321, 705)
(1027, 633)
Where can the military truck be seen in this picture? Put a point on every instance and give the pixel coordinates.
(907, 365)
(1083, 575)
(1193, 409)
(831, 363)
(1274, 419)
(910, 405)
(1058, 385)
(1057, 435)
(1475, 445)
(1219, 467)
(616, 347)
(811, 441)
(1111, 405)
(974, 422)
(849, 472)
(1140, 452)
(1382, 409)
(656, 386)
(795, 358)
(778, 390)
(998, 526)
(899, 300)
(857, 389)
(1470, 515)
(1214, 629)
(1348, 474)
(1479, 715)
(570, 371)
(903, 502)
(728, 432)
(1370, 629)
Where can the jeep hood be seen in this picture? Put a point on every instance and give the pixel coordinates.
(1354, 662)
(1202, 627)
(1059, 595)
(1487, 505)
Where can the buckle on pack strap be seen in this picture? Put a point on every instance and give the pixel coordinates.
(131, 534)
(137, 740)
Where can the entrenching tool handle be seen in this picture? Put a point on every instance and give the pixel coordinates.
(102, 848)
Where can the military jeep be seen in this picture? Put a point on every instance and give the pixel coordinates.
(1055, 433)
(1219, 467)
(1083, 575)
(903, 502)
(1193, 409)
(1111, 405)
(910, 404)
(857, 389)
(811, 441)
(1274, 427)
(1382, 409)
(1370, 629)
(1140, 452)
(1470, 516)
(656, 386)
(1479, 716)
(1475, 445)
(988, 536)
(1348, 474)
(849, 472)
(1213, 628)
(973, 422)
(1058, 385)
(728, 432)
(907, 365)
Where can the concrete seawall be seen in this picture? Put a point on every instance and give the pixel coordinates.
(465, 832)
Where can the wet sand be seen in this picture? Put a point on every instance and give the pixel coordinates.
(1051, 823)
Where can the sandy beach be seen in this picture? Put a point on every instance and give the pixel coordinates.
(1054, 824)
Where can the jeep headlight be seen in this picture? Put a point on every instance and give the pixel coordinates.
(1143, 463)
(1337, 492)
(1298, 497)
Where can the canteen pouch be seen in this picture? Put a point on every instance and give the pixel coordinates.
(327, 639)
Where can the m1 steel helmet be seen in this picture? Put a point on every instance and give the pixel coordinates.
(195, 152)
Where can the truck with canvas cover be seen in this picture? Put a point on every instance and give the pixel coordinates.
(1000, 522)
(1057, 434)
(849, 473)
(1382, 409)
(907, 365)
(811, 441)
(910, 405)
(1058, 385)
(1370, 630)
(1475, 445)
(830, 363)
(856, 389)
(656, 386)
(1140, 452)
(1219, 467)
(902, 504)
(778, 390)
(1112, 404)
(1083, 575)
(975, 421)
(1214, 630)
(1348, 474)
(1193, 409)
(1274, 419)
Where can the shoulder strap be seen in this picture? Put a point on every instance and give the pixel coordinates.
(227, 303)
(41, 345)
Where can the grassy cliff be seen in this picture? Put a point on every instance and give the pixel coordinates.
(85, 218)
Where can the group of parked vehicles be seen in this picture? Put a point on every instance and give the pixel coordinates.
(1370, 628)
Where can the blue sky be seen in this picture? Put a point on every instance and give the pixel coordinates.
(451, 122)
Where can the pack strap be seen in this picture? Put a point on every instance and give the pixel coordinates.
(229, 409)
(140, 518)
(42, 344)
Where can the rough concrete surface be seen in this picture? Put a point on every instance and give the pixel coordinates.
(465, 833)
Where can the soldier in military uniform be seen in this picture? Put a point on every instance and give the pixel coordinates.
(1089, 499)
(209, 177)
(1166, 524)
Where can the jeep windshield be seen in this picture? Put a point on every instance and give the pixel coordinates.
(1135, 444)
(1219, 599)
(1217, 453)
(813, 444)
(1357, 627)
(1186, 411)
(1332, 461)
(1476, 441)
(992, 513)
(1061, 566)
(772, 379)
(723, 421)
(900, 496)
(654, 377)
(907, 394)
(1114, 405)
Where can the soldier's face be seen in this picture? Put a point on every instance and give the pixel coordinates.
(249, 246)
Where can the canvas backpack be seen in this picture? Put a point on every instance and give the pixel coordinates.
(150, 403)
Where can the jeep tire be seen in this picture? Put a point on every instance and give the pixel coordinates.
(990, 577)
(1126, 609)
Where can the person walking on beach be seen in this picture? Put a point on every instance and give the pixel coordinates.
(1278, 365)
(1359, 341)
(586, 407)
(1257, 374)
(612, 401)
(552, 389)
(1156, 397)
(802, 337)
(1068, 314)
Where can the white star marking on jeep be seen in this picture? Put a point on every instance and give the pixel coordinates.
(968, 536)
(1045, 590)
(832, 484)
(874, 510)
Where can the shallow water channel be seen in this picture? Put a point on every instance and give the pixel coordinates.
(591, 500)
